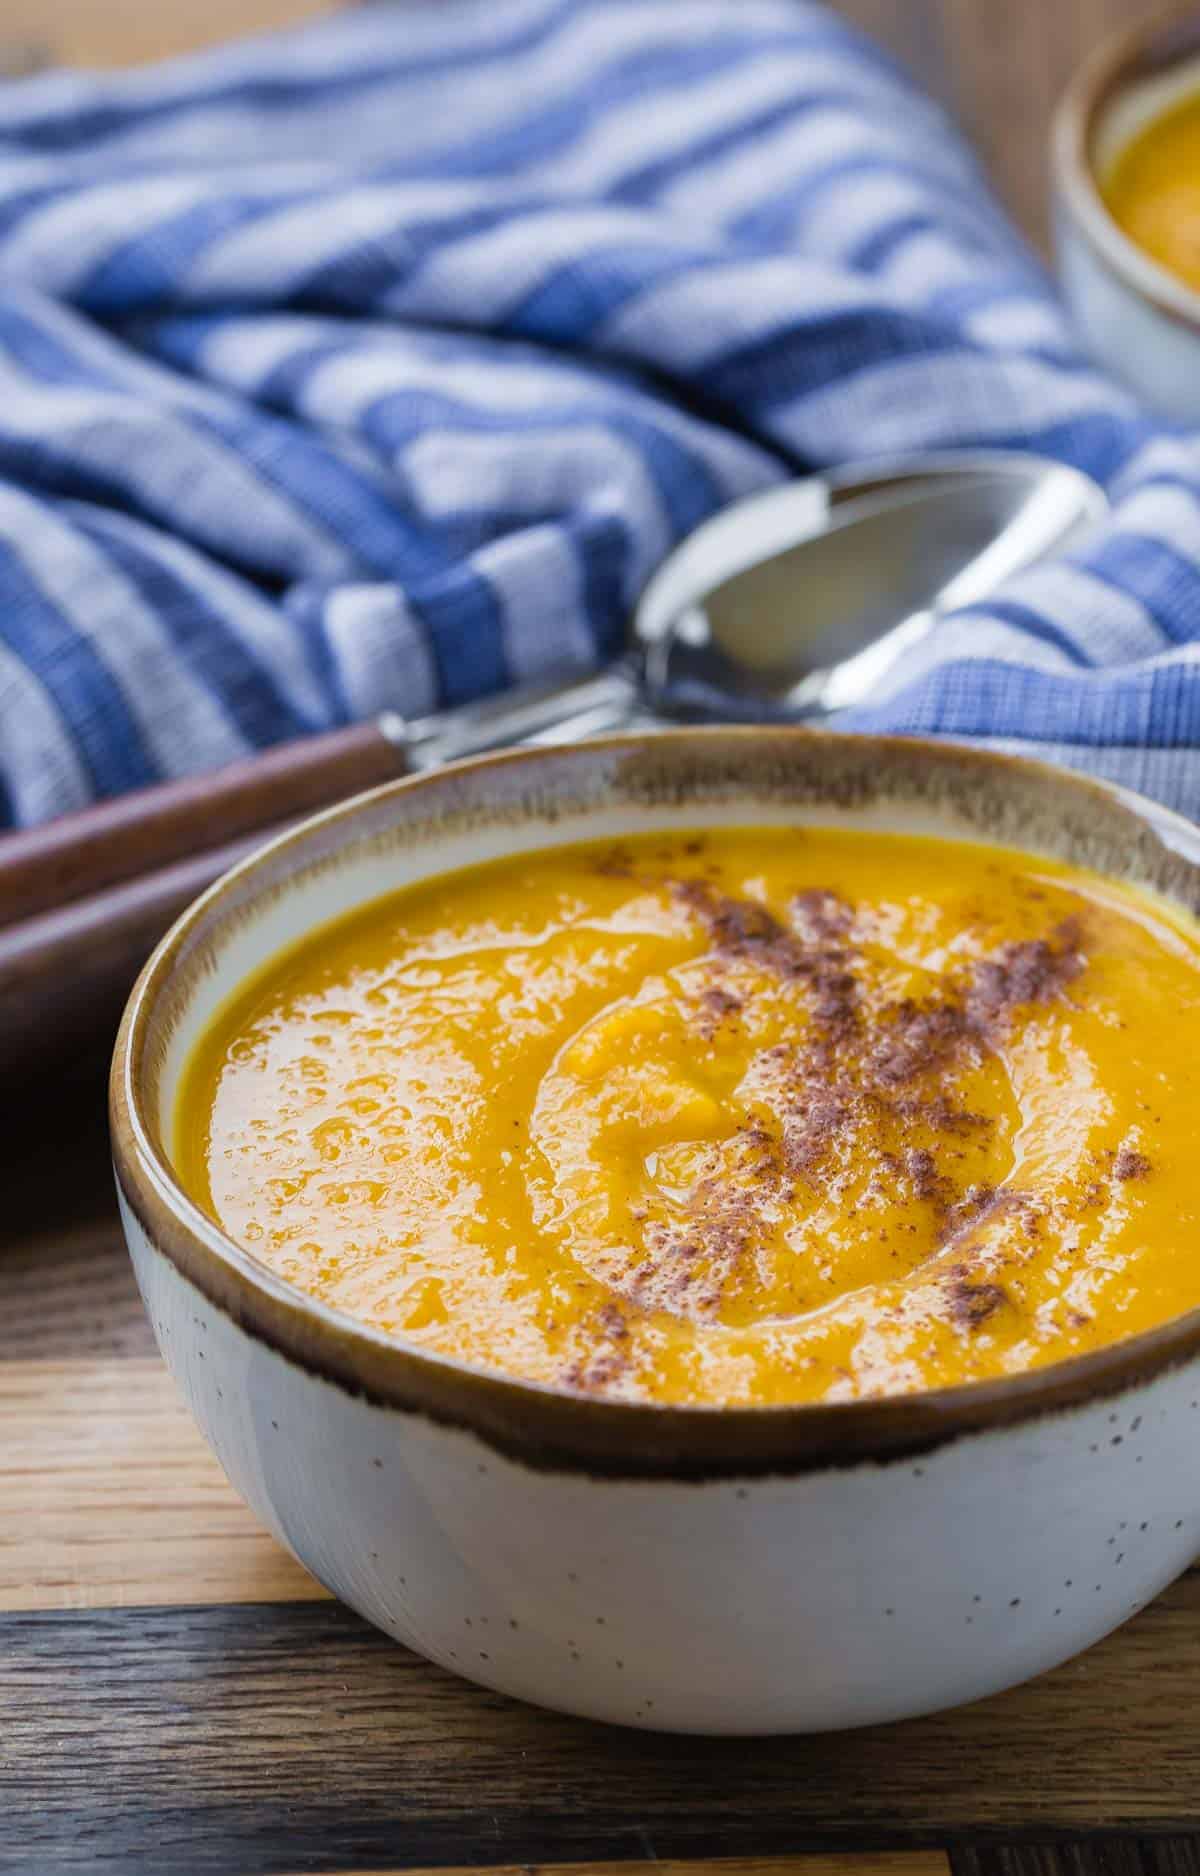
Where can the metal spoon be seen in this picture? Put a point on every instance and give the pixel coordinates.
(786, 606)
(796, 602)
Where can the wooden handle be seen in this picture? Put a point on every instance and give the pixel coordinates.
(136, 834)
(65, 975)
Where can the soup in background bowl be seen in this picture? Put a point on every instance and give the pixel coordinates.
(1126, 171)
(1151, 187)
(897, 1036)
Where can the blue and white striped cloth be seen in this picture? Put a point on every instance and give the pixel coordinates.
(376, 365)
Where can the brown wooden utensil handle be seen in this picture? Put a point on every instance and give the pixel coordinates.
(65, 975)
(99, 847)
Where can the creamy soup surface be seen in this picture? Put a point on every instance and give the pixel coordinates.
(741, 1116)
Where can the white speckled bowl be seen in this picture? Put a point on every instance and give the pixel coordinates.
(1138, 319)
(746, 1570)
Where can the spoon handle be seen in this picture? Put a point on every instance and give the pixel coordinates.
(555, 711)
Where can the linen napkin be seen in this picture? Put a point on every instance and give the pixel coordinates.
(378, 364)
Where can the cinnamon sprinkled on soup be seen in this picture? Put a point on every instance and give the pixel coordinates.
(751, 1116)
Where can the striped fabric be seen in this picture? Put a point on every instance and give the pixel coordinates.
(377, 365)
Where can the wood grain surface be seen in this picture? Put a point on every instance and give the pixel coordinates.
(885, 1863)
(109, 1496)
(107, 33)
(169, 1736)
(178, 1698)
(998, 64)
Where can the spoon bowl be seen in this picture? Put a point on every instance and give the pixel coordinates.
(796, 602)
(744, 621)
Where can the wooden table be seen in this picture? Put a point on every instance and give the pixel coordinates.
(1000, 66)
(178, 1697)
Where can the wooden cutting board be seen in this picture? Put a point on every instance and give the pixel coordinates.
(177, 1696)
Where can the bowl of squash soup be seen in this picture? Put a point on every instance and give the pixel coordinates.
(695, 1230)
(1126, 167)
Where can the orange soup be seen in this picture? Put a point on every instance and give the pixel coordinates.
(739, 1116)
(1153, 190)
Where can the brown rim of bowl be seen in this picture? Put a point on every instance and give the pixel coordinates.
(547, 1428)
(1144, 50)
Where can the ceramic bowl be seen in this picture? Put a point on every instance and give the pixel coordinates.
(1137, 318)
(745, 1570)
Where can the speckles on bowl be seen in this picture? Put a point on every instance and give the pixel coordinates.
(813, 1510)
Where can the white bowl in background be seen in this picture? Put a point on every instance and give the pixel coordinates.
(1137, 318)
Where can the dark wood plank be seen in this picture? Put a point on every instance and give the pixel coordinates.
(57, 1171)
(67, 1283)
(211, 1740)
(1119, 1856)
(828, 1863)
(1172, 1856)
(71, 1293)
(1096, 1856)
(831, 1863)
